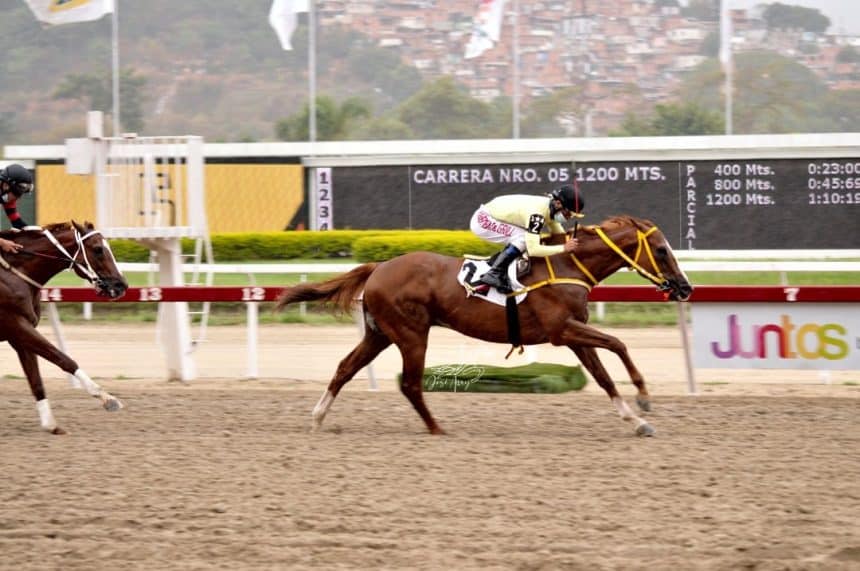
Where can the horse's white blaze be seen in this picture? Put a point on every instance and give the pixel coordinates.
(321, 409)
(46, 417)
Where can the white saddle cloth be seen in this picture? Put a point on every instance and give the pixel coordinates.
(471, 272)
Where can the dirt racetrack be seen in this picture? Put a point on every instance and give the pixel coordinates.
(758, 471)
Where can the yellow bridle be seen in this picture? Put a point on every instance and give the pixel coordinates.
(642, 245)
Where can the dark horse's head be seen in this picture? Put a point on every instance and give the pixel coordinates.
(90, 257)
(651, 255)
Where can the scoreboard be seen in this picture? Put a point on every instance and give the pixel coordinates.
(699, 204)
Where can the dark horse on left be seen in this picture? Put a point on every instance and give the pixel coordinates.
(46, 252)
(405, 296)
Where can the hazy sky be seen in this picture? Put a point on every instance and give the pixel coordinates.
(844, 14)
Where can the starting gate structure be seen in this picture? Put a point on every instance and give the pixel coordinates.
(152, 190)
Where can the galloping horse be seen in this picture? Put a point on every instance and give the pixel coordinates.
(46, 252)
(405, 296)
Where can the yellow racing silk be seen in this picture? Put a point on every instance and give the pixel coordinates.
(530, 212)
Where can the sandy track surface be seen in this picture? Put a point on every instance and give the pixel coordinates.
(757, 472)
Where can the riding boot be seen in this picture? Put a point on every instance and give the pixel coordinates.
(497, 275)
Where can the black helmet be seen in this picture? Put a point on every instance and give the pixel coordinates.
(20, 180)
(571, 198)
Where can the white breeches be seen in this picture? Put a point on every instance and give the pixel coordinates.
(487, 228)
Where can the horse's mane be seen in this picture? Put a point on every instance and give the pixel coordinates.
(53, 228)
(618, 222)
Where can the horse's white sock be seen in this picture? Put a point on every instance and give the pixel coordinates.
(89, 385)
(46, 417)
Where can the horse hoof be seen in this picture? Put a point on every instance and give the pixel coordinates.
(644, 404)
(112, 405)
(645, 429)
(58, 430)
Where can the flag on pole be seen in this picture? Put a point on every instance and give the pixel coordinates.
(282, 18)
(486, 27)
(725, 34)
(57, 12)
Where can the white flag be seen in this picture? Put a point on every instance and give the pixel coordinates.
(486, 27)
(282, 17)
(56, 12)
(725, 34)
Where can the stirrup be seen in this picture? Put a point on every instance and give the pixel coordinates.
(503, 286)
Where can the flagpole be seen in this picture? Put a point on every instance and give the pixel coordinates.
(728, 111)
(312, 71)
(516, 91)
(115, 67)
(727, 60)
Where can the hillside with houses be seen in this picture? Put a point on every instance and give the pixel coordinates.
(216, 69)
(595, 46)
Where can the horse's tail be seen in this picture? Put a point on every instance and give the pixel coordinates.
(340, 292)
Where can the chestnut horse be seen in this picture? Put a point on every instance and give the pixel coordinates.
(405, 296)
(46, 252)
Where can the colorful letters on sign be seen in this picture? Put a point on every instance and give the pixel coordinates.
(790, 336)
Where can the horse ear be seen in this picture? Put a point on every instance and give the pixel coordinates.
(78, 227)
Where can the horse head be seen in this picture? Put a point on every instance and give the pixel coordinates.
(644, 248)
(94, 262)
(89, 255)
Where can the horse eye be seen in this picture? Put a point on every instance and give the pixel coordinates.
(662, 251)
(99, 251)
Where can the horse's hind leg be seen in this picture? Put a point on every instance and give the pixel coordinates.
(373, 343)
(414, 352)
(30, 364)
(588, 357)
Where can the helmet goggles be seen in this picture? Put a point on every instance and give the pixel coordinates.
(19, 189)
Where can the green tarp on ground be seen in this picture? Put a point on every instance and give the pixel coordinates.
(531, 378)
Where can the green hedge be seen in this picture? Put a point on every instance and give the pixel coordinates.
(531, 378)
(452, 243)
(362, 245)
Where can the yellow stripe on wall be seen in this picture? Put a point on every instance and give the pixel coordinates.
(258, 198)
(239, 197)
(61, 197)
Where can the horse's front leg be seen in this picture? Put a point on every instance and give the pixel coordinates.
(583, 340)
(30, 364)
(588, 357)
(28, 337)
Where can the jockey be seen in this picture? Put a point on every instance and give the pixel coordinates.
(516, 221)
(15, 182)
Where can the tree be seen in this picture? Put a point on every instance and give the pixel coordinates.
(444, 110)
(542, 118)
(96, 91)
(673, 119)
(334, 121)
(771, 94)
(848, 54)
(382, 129)
(782, 16)
(7, 125)
(383, 70)
(710, 45)
(707, 10)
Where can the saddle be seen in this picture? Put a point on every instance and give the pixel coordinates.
(475, 266)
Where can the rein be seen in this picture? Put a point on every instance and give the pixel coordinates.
(553, 280)
(85, 268)
(6, 266)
